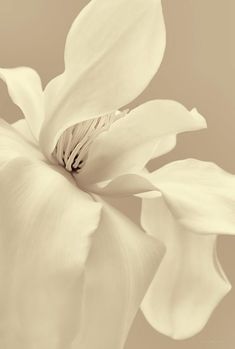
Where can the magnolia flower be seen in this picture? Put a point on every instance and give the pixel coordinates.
(74, 269)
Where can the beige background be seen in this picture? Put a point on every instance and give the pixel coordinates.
(198, 70)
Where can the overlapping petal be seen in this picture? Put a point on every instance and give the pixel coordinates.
(23, 128)
(189, 282)
(14, 145)
(122, 186)
(112, 51)
(133, 140)
(59, 290)
(25, 90)
(46, 226)
(200, 195)
(120, 267)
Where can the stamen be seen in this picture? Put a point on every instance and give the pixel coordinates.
(73, 146)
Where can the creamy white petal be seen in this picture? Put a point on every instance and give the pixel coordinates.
(120, 267)
(189, 283)
(200, 195)
(46, 226)
(112, 51)
(164, 145)
(13, 144)
(133, 140)
(121, 186)
(23, 128)
(25, 90)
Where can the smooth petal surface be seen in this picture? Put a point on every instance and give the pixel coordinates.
(133, 140)
(164, 145)
(23, 128)
(112, 51)
(46, 224)
(200, 195)
(122, 186)
(25, 90)
(189, 282)
(13, 144)
(121, 264)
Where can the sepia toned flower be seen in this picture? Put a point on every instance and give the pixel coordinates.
(75, 269)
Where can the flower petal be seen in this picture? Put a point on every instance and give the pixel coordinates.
(189, 283)
(113, 50)
(23, 128)
(46, 224)
(131, 141)
(123, 186)
(164, 145)
(200, 195)
(121, 264)
(14, 145)
(25, 90)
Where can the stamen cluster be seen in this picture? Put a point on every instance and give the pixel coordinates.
(72, 148)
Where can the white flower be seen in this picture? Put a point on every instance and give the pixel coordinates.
(74, 269)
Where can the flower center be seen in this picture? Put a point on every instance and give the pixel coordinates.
(73, 145)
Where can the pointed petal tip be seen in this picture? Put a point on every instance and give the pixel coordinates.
(199, 118)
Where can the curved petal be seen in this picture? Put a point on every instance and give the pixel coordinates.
(14, 145)
(119, 270)
(25, 90)
(46, 224)
(112, 51)
(123, 186)
(200, 195)
(189, 283)
(131, 141)
(165, 145)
